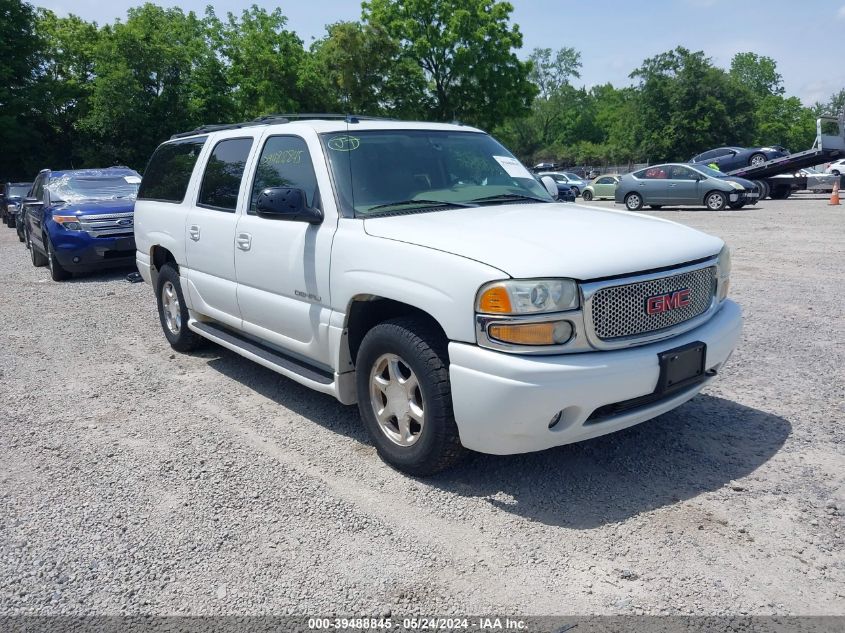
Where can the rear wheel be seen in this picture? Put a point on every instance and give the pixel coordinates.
(781, 192)
(57, 273)
(587, 195)
(634, 202)
(173, 312)
(715, 201)
(757, 159)
(405, 398)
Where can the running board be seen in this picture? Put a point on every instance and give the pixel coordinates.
(283, 364)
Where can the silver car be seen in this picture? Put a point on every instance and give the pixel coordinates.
(683, 184)
(567, 178)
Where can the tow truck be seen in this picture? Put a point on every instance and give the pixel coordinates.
(777, 178)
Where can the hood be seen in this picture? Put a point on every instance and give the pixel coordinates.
(93, 207)
(741, 181)
(551, 240)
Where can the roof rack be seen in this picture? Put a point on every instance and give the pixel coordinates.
(268, 119)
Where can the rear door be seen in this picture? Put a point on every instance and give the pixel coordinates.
(210, 229)
(283, 266)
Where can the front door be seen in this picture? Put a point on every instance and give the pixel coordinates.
(210, 232)
(683, 185)
(282, 266)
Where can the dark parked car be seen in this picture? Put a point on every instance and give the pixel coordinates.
(679, 184)
(82, 220)
(10, 200)
(565, 192)
(730, 158)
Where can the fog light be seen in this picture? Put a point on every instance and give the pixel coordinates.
(555, 419)
(75, 260)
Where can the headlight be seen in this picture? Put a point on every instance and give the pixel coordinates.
(735, 185)
(528, 296)
(70, 222)
(723, 272)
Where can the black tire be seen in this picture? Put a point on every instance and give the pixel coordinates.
(633, 202)
(781, 192)
(715, 200)
(57, 273)
(180, 337)
(38, 259)
(655, 206)
(736, 205)
(421, 350)
(587, 195)
(10, 221)
(757, 159)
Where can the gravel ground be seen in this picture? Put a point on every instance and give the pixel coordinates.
(137, 480)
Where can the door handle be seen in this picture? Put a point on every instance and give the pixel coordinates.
(194, 232)
(244, 241)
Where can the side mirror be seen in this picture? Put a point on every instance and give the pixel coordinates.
(286, 203)
(550, 185)
(32, 201)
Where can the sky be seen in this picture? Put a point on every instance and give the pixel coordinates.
(614, 36)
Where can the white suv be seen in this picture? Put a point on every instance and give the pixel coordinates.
(419, 270)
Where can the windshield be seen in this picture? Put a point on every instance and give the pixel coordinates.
(18, 191)
(75, 187)
(387, 171)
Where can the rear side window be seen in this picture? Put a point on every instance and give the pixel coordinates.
(221, 181)
(169, 170)
(285, 162)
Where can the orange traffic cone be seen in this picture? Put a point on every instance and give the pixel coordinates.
(834, 197)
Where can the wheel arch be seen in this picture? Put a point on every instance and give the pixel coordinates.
(365, 311)
(159, 256)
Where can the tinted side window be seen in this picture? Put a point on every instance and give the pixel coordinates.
(681, 173)
(604, 181)
(285, 162)
(38, 189)
(169, 170)
(223, 173)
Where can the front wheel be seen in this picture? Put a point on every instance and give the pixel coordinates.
(173, 312)
(715, 201)
(57, 273)
(404, 396)
(587, 195)
(633, 202)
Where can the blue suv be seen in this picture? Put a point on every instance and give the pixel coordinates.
(81, 220)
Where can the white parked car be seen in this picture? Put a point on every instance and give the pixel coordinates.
(419, 270)
(836, 167)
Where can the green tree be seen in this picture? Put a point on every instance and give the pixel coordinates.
(264, 63)
(466, 50)
(155, 74)
(758, 73)
(20, 57)
(784, 121)
(550, 72)
(365, 72)
(685, 104)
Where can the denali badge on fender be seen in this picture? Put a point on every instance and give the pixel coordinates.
(659, 304)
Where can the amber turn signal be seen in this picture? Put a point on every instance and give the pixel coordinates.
(551, 333)
(495, 300)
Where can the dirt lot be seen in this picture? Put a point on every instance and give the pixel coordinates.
(134, 479)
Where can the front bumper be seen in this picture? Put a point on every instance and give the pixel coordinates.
(503, 403)
(79, 252)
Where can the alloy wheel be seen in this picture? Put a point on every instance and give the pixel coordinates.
(396, 399)
(171, 309)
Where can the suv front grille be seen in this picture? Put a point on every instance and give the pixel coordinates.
(620, 311)
(108, 224)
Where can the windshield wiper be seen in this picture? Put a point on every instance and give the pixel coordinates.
(507, 197)
(420, 202)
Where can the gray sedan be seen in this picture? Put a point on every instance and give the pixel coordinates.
(680, 184)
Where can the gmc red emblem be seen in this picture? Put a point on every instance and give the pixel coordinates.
(659, 304)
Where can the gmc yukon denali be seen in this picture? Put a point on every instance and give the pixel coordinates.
(419, 270)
